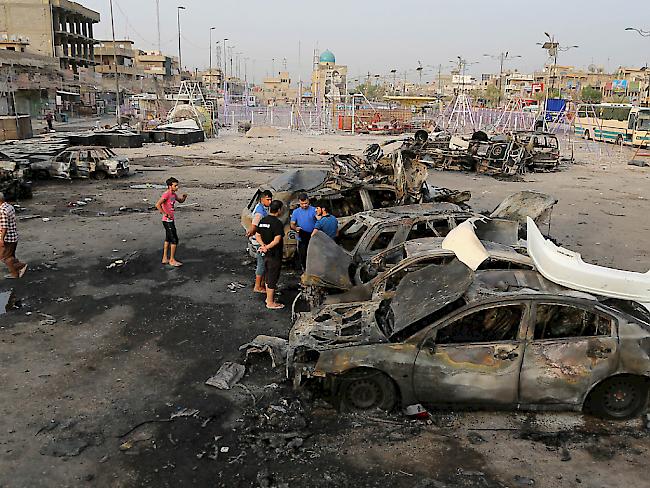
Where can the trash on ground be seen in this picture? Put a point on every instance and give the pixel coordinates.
(228, 375)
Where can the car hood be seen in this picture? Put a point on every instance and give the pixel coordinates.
(524, 204)
(424, 292)
(336, 326)
(327, 264)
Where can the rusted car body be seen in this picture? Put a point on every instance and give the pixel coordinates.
(96, 162)
(12, 179)
(503, 339)
(504, 154)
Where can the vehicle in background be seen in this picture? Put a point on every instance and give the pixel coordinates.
(617, 123)
(96, 162)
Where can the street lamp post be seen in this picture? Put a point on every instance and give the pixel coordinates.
(502, 57)
(210, 67)
(394, 73)
(117, 74)
(643, 33)
(553, 47)
(180, 53)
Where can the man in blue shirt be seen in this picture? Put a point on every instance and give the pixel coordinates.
(260, 211)
(303, 220)
(326, 223)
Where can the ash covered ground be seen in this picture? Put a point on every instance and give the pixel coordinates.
(103, 370)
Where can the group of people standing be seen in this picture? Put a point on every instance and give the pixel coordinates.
(268, 231)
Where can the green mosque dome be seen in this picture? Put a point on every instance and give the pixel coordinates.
(327, 56)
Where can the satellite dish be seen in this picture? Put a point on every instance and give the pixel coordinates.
(591, 68)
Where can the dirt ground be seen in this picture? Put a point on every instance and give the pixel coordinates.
(103, 368)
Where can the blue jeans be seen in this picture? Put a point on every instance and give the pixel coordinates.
(259, 269)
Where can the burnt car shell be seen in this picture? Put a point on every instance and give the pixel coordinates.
(529, 372)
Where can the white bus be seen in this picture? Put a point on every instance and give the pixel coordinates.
(609, 122)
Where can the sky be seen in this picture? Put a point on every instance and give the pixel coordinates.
(376, 36)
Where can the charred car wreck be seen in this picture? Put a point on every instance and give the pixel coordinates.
(12, 180)
(449, 336)
(97, 162)
(353, 184)
(508, 154)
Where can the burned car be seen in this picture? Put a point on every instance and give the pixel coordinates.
(453, 337)
(352, 185)
(96, 162)
(12, 180)
(503, 154)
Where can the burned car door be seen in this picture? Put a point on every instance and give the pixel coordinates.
(473, 358)
(571, 349)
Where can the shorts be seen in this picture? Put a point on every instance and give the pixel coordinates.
(170, 232)
(259, 269)
(272, 274)
(8, 251)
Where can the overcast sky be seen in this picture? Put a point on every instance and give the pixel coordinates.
(378, 35)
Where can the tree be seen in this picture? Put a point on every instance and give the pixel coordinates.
(492, 95)
(371, 92)
(591, 95)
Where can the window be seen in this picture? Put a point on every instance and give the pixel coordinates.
(348, 203)
(558, 321)
(64, 157)
(433, 228)
(499, 323)
(350, 234)
(382, 198)
(382, 240)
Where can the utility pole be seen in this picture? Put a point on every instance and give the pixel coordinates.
(394, 73)
(210, 69)
(502, 57)
(117, 74)
(180, 53)
(158, 23)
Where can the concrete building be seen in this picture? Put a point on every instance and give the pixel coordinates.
(106, 52)
(16, 44)
(277, 90)
(57, 28)
(328, 80)
(156, 64)
(212, 79)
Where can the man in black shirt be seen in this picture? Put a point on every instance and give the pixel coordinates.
(270, 232)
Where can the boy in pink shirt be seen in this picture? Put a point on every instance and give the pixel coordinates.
(165, 206)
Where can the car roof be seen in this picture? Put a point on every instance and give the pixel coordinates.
(395, 214)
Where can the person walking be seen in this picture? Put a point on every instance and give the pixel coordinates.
(165, 206)
(303, 220)
(260, 211)
(9, 239)
(49, 118)
(270, 232)
(326, 223)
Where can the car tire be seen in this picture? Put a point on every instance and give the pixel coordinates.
(619, 140)
(587, 136)
(100, 175)
(618, 398)
(366, 389)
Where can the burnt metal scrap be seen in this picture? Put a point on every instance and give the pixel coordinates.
(13, 181)
(506, 154)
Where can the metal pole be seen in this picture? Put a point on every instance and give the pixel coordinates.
(210, 69)
(500, 79)
(180, 53)
(158, 23)
(117, 75)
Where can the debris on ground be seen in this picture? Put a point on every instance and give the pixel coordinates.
(234, 286)
(276, 347)
(228, 375)
(262, 131)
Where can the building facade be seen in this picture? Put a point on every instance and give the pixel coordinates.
(328, 80)
(57, 28)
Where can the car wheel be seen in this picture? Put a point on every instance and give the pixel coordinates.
(100, 175)
(619, 140)
(43, 174)
(367, 390)
(587, 136)
(618, 398)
